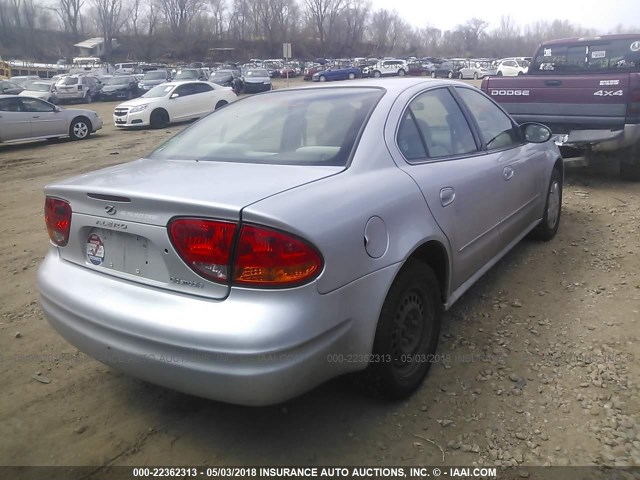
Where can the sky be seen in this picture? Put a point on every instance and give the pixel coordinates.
(602, 15)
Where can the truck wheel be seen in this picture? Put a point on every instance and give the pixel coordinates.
(407, 333)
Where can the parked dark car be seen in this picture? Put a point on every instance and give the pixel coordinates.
(190, 74)
(227, 78)
(153, 78)
(7, 87)
(120, 87)
(337, 73)
(309, 71)
(448, 69)
(256, 80)
(420, 68)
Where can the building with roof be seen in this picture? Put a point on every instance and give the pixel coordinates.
(93, 47)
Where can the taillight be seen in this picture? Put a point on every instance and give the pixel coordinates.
(635, 101)
(263, 257)
(204, 245)
(266, 257)
(57, 216)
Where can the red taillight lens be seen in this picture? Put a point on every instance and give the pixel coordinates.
(266, 257)
(204, 245)
(57, 216)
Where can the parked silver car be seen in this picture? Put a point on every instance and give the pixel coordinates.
(27, 118)
(248, 265)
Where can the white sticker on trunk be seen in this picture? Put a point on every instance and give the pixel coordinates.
(599, 54)
(635, 46)
(95, 249)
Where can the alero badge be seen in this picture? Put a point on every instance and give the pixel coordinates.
(95, 249)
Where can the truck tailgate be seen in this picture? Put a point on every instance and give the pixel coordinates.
(564, 102)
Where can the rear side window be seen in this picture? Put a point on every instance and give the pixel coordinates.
(599, 55)
(68, 81)
(9, 105)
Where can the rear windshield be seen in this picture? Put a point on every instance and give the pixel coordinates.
(68, 81)
(305, 127)
(155, 75)
(186, 74)
(39, 87)
(596, 56)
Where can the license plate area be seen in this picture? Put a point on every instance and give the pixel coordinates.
(120, 120)
(123, 252)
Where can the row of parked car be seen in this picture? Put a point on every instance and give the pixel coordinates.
(436, 68)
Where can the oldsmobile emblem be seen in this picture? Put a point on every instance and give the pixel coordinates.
(110, 209)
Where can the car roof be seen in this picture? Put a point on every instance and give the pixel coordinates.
(393, 86)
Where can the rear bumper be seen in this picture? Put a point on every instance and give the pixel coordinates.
(601, 140)
(257, 347)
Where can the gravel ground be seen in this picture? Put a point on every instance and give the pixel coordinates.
(539, 360)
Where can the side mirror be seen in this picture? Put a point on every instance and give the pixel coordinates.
(174, 95)
(57, 109)
(535, 132)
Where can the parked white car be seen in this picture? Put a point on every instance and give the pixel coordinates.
(42, 90)
(172, 102)
(389, 67)
(509, 67)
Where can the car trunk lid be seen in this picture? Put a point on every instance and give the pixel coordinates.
(120, 214)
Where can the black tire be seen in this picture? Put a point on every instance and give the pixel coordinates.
(159, 119)
(80, 128)
(409, 326)
(401, 73)
(499, 73)
(550, 223)
(376, 74)
(322, 78)
(352, 76)
(221, 104)
(520, 73)
(450, 74)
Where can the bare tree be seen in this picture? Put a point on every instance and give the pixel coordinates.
(69, 13)
(179, 13)
(324, 15)
(109, 18)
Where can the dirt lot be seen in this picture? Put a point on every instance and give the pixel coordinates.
(541, 356)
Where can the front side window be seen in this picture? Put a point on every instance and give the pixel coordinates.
(35, 105)
(441, 123)
(496, 128)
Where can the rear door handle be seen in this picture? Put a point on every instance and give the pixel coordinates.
(447, 196)
(508, 172)
(553, 83)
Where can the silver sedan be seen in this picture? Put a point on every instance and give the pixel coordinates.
(26, 118)
(295, 236)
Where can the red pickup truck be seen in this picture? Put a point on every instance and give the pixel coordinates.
(587, 90)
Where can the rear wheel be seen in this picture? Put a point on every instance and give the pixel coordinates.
(548, 227)
(352, 76)
(159, 119)
(401, 73)
(221, 104)
(450, 74)
(80, 129)
(407, 333)
(376, 74)
(499, 73)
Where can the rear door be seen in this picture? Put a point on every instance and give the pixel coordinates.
(462, 186)
(14, 124)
